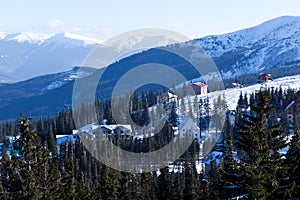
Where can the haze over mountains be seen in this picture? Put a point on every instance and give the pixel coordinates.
(27, 55)
(272, 46)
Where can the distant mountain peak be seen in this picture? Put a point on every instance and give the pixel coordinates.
(73, 36)
(29, 37)
(284, 27)
(39, 38)
(272, 44)
(32, 37)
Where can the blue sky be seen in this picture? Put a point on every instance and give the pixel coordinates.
(103, 19)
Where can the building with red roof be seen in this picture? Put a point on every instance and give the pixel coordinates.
(290, 110)
(198, 88)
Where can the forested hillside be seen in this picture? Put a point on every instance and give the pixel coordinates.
(260, 159)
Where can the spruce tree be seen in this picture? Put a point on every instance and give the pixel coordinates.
(214, 178)
(173, 116)
(3, 190)
(109, 184)
(259, 143)
(191, 186)
(228, 170)
(54, 185)
(164, 185)
(27, 174)
(147, 186)
(68, 179)
(126, 191)
(293, 163)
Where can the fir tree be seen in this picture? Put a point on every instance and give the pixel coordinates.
(228, 170)
(173, 116)
(164, 185)
(259, 144)
(27, 174)
(293, 163)
(67, 168)
(191, 185)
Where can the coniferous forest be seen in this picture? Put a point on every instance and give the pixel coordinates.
(253, 165)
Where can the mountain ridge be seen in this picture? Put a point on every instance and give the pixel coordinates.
(243, 54)
(271, 44)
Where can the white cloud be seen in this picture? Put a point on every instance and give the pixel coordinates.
(56, 25)
(59, 26)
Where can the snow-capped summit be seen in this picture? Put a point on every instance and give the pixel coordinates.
(26, 55)
(40, 38)
(71, 38)
(272, 44)
(29, 54)
(80, 37)
(2, 35)
(281, 28)
(29, 37)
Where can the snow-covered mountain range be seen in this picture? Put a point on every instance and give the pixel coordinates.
(273, 44)
(27, 55)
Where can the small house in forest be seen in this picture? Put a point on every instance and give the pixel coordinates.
(94, 131)
(290, 110)
(198, 88)
(233, 85)
(264, 78)
(166, 97)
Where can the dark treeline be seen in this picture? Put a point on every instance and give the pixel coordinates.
(251, 167)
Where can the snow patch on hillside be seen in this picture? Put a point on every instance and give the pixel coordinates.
(34, 38)
(232, 95)
(65, 77)
(87, 40)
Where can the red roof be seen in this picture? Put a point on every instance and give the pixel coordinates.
(286, 104)
(199, 84)
(232, 85)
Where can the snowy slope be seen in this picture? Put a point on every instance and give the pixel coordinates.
(275, 43)
(232, 95)
(66, 77)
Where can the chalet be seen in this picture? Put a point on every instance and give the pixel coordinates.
(290, 110)
(116, 130)
(189, 128)
(92, 131)
(264, 78)
(233, 85)
(198, 88)
(76, 135)
(166, 97)
(172, 96)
